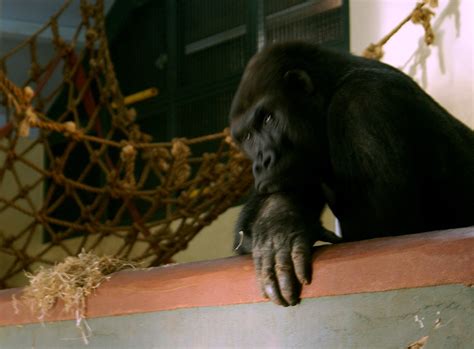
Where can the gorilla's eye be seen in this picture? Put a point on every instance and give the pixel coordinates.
(248, 136)
(268, 118)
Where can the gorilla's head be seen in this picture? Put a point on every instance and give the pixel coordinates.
(272, 118)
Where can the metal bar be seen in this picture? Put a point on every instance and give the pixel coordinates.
(215, 39)
(260, 25)
(304, 10)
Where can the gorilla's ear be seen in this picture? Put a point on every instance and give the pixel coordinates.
(299, 80)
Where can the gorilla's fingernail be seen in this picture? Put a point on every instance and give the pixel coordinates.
(241, 241)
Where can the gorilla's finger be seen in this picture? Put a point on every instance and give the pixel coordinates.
(301, 256)
(257, 261)
(289, 286)
(270, 282)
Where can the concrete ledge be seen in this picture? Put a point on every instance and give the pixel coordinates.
(411, 261)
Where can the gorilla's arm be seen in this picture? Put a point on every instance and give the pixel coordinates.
(244, 226)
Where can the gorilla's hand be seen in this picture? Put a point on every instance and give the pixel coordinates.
(280, 231)
(282, 257)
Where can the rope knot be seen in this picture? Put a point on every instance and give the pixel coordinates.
(30, 119)
(374, 51)
(128, 156)
(422, 15)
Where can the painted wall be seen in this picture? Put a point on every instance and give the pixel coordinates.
(444, 69)
(441, 316)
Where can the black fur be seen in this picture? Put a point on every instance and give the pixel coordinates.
(328, 127)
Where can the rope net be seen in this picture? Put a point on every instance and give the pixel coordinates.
(133, 198)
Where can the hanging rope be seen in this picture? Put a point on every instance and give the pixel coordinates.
(421, 14)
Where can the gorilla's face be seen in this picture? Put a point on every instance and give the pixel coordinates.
(272, 134)
(260, 132)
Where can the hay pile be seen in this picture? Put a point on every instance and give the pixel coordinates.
(71, 281)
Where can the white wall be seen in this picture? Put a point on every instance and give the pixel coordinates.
(444, 69)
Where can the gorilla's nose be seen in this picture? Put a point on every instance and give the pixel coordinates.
(264, 162)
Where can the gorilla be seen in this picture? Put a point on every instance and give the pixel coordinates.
(325, 127)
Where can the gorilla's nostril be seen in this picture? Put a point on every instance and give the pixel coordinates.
(267, 162)
(257, 169)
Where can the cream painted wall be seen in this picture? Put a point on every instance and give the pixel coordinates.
(214, 241)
